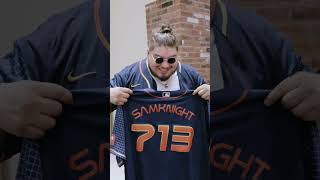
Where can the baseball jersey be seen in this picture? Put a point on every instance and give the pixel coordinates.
(165, 134)
(252, 141)
(77, 147)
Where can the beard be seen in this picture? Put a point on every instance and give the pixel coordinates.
(163, 78)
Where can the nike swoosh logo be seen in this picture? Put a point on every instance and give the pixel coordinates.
(133, 86)
(72, 78)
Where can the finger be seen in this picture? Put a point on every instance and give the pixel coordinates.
(123, 100)
(293, 98)
(44, 122)
(50, 107)
(280, 90)
(205, 96)
(196, 90)
(125, 95)
(53, 91)
(126, 90)
(202, 92)
(305, 106)
(33, 132)
(312, 115)
(120, 103)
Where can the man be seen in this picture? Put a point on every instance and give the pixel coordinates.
(160, 71)
(54, 59)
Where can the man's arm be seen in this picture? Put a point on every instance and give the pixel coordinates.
(119, 91)
(20, 64)
(297, 85)
(200, 87)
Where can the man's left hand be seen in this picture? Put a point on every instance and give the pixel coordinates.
(203, 91)
(300, 94)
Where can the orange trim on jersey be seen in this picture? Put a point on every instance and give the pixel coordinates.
(232, 105)
(97, 19)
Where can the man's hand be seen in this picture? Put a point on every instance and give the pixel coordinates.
(300, 94)
(29, 108)
(119, 95)
(203, 91)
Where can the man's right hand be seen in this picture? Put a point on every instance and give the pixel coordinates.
(119, 95)
(29, 108)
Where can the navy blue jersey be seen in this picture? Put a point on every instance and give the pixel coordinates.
(252, 53)
(57, 51)
(252, 141)
(166, 136)
(77, 147)
(138, 76)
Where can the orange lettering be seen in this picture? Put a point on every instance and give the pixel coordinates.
(145, 110)
(164, 129)
(136, 114)
(235, 160)
(154, 108)
(102, 151)
(149, 132)
(183, 139)
(84, 165)
(226, 158)
(262, 165)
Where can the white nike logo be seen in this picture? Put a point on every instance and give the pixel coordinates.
(133, 86)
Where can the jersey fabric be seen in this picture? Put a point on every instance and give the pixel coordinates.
(138, 76)
(252, 53)
(57, 48)
(77, 148)
(166, 136)
(252, 141)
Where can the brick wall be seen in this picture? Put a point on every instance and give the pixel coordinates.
(298, 20)
(190, 20)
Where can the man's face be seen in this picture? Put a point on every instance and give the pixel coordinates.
(163, 62)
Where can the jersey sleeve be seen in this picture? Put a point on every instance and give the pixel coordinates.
(261, 46)
(38, 55)
(198, 78)
(289, 62)
(118, 137)
(29, 58)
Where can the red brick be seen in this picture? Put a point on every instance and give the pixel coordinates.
(196, 37)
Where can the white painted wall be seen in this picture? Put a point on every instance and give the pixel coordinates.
(128, 33)
(128, 43)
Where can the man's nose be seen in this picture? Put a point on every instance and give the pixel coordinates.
(165, 64)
